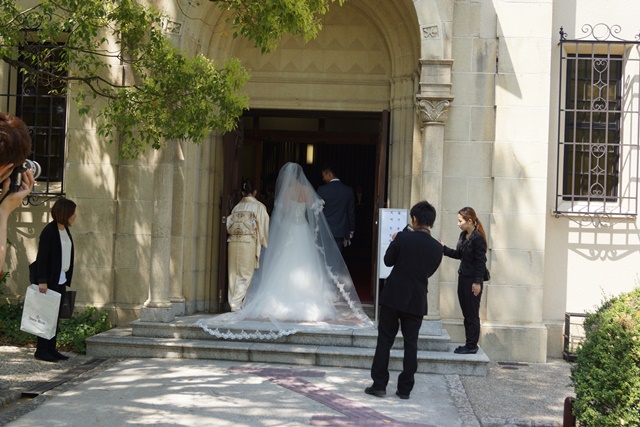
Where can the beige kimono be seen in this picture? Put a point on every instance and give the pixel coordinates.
(248, 229)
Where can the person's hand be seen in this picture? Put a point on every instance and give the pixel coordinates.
(14, 199)
(475, 289)
(42, 287)
(393, 237)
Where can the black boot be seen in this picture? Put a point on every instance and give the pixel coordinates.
(42, 351)
(53, 350)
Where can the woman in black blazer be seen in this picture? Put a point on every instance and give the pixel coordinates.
(471, 250)
(55, 265)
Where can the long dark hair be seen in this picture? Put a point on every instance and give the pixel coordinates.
(469, 214)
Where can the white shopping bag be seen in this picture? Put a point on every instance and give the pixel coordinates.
(40, 312)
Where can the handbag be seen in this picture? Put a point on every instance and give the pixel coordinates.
(68, 304)
(487, 275)
(40, 312)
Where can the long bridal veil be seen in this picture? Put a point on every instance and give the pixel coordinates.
(303, 282)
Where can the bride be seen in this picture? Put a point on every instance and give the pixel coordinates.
(303, 282)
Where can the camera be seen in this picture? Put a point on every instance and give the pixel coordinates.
(16, 175)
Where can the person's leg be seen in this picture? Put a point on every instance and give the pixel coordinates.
(53, 342)
(42, 350)
(410, 326)
(470, 305)
(473, 319)
(241, 266)
(462, 300)
(387, 330)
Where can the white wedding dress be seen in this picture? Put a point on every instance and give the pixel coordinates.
(303, 282)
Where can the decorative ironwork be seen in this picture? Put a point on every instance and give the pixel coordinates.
(41, 102)
(35, 199)
(598, 159)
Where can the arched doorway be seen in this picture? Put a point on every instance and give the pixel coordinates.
(330, 94)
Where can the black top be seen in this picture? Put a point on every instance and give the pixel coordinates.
(339, 207)
(49, 260)
(472, 253)
(415, 256)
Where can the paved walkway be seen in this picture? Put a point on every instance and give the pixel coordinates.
(178, 392)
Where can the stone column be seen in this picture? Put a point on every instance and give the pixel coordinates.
(433, 105)
(158, 308)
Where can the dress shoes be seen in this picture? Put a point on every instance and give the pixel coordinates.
(45, 357)
(401, 395)
(375, 392)
(59, 355)
(466, 350)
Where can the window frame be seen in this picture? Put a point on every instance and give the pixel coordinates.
(619, 198)
(46, 116)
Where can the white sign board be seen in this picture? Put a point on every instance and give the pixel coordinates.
(391, 221)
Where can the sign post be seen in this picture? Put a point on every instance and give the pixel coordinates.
(391, 221)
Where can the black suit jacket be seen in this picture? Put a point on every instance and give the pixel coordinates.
(339, 208)
(415, 256)
(472, 253)
(49, 260)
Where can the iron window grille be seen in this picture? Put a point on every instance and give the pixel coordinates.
(41, 102)
(598, 124)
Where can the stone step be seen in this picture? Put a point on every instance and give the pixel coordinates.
(120, 342)
(185, 328)
(352, 348)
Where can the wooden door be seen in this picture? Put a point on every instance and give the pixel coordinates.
(380, 194)
(232, 142)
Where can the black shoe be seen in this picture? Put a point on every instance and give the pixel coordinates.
(375, 392)
(45, 357)
(466, 350)
(457, 350)
(402, 396)
(59, 355)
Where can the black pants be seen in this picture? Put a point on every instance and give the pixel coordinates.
(44, 346)
(389, 322)
(470, 305)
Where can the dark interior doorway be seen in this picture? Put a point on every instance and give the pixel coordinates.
(346, 140)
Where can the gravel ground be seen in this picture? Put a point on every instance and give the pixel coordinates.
(511, 395)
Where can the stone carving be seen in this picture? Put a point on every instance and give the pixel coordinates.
(434, 110)
(173, 27)
(430, 32)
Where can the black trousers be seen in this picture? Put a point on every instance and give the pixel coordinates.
(44, 345)
(389, 321)
(470, 305)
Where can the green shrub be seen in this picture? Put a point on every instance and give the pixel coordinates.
(71, 333)
(606, 375)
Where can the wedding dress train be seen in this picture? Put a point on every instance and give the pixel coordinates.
(303, 282)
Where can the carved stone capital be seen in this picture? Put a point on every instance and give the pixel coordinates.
(433, 111)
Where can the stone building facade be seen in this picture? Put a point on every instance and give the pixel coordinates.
(476, 95)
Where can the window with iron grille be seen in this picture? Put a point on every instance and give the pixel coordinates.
(598, 141)
(41, 103)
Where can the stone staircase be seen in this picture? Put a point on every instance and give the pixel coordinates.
(347, 348)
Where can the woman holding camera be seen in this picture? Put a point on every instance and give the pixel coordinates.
(54, 265)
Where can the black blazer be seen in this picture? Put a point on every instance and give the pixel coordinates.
(472, 253)
(415, 256)
(339, 208)
(49, 260)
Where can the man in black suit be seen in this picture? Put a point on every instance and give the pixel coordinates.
(415, 256)
(339, 209)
